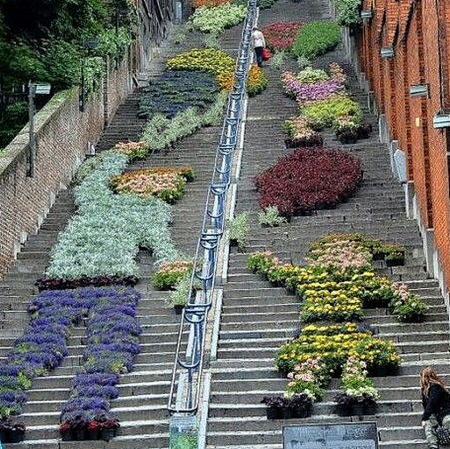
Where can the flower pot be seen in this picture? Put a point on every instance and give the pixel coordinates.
(394, 262)
(92, 434)
(14, 436)
(80, 434)
(108, 434)
(68, 435)
(380, 371)
(357, 409)
(273, 412)
(178, 308)
(378, 256)
(286, 412)
(343, 409)
(301, 412)
(370, 409)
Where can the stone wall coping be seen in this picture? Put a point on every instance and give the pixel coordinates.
(19, 144)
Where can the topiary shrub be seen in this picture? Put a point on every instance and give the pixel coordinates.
(316, 38)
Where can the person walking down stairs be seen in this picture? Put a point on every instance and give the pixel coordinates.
(258, 43)
(436, 404)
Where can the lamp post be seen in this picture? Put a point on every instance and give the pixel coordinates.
(33, 90)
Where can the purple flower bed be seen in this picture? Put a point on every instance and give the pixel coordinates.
(111, 346)
(39, 350)
(43, 345)
(304, 92)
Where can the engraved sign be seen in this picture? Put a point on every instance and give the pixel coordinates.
(331, 436)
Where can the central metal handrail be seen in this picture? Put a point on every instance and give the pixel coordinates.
(185, 385)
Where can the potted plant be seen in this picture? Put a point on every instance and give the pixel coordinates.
(344, 404)
(301, 405)
(274, 405)
(11, 432)
(239, 230)
(108, 428)
(394, 259)
(179, 297)
(287, 408)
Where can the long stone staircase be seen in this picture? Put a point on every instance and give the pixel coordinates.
(143, 394)
(258, 318)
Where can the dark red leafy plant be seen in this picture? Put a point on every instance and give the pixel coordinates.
(309, 179)
(281, 35)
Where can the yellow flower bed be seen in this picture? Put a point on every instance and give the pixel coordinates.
(335, 344)
(205, 60)
(220, 64)
(166, 183)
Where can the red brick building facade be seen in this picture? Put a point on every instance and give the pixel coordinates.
(418, 32)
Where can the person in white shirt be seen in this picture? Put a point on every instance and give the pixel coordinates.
(258, 43)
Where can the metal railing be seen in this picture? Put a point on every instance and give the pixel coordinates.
(185, 387)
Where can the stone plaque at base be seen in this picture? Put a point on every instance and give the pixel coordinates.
(331, 436)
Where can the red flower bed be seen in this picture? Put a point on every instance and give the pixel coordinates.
(309, 179)
(281, 35)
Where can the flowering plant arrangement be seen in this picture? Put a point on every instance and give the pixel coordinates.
(312, 76)
(323, 113)
(316, 38)
(355, 382)
(322, 305)
(166, 183)
(106, 234)
(405, 305)
(307, 92)
(134, 150)
(300, 134)
(175, 91)
(280, 36)
(204, 60)
(218, 18)
(111, 346)
(308, 378)
(308, 179)
(169, 273)
(256, 81)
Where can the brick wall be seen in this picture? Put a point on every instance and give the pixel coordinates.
(411, 27)
(62, 137)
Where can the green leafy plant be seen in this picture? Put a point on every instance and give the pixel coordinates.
(303, 62)
(216, 19)
(180, 295)
(211, 40)
(240, 229)
(316, 38)
(169, 274)
(270, 217)
(278, 60)
(323, 113)
(348, 12)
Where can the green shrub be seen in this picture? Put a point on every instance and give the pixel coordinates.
(316, 38)
(13, 120)
(240, 229)
(323, 113)
(348, 12)
(265, 4)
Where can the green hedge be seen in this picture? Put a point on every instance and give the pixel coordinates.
(316, 38)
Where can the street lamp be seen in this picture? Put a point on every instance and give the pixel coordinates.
(88, 44)
(33, 90)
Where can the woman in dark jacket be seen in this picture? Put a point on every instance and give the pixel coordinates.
(436, 404)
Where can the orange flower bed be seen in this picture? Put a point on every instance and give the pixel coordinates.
(166, 183)
(256, 81)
